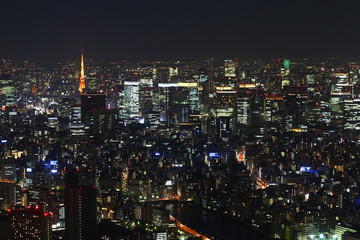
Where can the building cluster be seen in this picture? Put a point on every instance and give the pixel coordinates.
(99, 151)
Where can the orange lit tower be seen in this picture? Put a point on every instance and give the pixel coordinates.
(82, 78)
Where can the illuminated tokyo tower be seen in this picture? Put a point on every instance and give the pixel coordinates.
(82, 78)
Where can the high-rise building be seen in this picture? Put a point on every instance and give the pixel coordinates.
(130, 102)
(7, 89)
(146, 97)
(230, 68)
(80, 209)
(182, 98)
(9, 195)
(75, 124)
(104, 120)
(243, 110)
(89, 103)
(352, 114)
(30, 223)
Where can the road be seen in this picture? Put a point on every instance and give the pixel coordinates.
(187, 229)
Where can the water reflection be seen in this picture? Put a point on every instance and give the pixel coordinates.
(212, 224)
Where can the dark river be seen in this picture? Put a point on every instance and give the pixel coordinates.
(214, 225)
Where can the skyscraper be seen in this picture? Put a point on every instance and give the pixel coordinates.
(80, 209)
(130, 107)
(89, 103)
(82, 77)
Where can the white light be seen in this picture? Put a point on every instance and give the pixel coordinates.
(128, 83)
(321, 236)
(168, 85)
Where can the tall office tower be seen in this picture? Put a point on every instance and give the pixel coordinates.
(245, 103)
(314, 116)
(182, 98)
(223, 128)
(80, 209)
(130, 103)
(230, 68)
(77, 128)
(319, 113)
(7, 89)
(9, 195)
(341, 89)
(285, 71)
(243, 111)
(225, 102)
(146, 98)
(173, 71)
(337, 109)
(89, 103)
(104, 120)
(296, 107)
(30, 223)
(164, 99)
(274, 109)
(224, 111)
(352, 114)
(82, 76)
(65, 107)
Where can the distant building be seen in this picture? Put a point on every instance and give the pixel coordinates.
(104, 120)
(9, 195)
(7, 89)
(89, 103)
(130, 102)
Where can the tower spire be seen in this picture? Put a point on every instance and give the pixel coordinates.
(82, 77)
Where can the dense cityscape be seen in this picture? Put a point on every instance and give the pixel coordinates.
(211, 148)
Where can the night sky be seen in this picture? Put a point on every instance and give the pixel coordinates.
(137, 29)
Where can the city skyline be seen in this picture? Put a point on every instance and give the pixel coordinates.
(180, 120)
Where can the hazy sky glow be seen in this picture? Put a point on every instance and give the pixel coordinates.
(57, 29)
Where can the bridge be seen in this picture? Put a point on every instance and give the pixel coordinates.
(187, 229)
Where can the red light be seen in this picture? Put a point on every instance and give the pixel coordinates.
(37, 207)
(9, 210)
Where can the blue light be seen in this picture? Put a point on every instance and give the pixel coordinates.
(157, 154)
(214, 154)
(54, 162)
